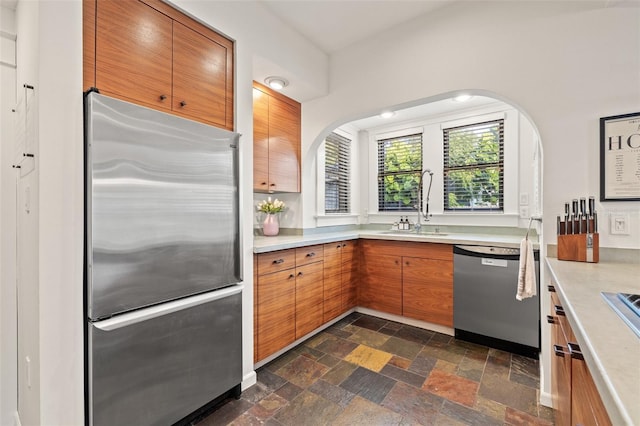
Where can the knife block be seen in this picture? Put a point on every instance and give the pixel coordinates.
(579, 247)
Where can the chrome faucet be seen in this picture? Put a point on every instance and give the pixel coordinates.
(425, 214)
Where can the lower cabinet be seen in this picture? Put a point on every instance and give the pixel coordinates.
(298, 290)
(309, 298)
(414, 280)
(574, 394)
(289, 297)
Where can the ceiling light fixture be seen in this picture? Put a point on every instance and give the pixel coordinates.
(276, 83)
(387, 114)
(462, 98)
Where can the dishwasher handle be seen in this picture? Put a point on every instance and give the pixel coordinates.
(491, 252)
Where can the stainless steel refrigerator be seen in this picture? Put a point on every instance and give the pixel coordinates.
(162, 264)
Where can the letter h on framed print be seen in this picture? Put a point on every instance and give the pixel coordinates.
(620, 157)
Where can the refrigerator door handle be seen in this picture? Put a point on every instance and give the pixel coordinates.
(130, 318)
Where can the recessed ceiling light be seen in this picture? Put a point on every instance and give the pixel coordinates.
(276, 83)
(387, 114)
(462, 98)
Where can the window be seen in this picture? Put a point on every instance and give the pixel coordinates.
(474, 167)
(399, 168)
(336, 174)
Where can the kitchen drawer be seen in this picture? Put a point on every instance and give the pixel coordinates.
(309, 254)
(276, 261)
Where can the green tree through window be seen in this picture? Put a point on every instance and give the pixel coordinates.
(399, 168)
(474, 167)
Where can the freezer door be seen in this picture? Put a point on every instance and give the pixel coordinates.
(158, 365)
(162, 207)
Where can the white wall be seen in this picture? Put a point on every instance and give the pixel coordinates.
(558, 65)
(8, 336)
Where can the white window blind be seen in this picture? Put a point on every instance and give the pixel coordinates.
(336, 173)
(474, 167)
(399, 168)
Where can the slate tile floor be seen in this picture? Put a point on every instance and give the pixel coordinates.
(365, 370)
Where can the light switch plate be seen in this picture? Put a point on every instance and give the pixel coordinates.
(619, 223)
(524, 199)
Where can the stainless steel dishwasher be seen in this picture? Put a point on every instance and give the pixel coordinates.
(485, 309)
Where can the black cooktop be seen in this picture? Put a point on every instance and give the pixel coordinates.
(627, 306)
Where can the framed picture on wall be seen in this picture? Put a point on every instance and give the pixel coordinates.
(620, 157)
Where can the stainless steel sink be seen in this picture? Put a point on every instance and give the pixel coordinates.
(419, 234)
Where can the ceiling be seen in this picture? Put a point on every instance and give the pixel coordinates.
(332, 25)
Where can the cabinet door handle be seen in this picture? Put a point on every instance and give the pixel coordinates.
(574, 351)
(559, 310)
(300, 273)
(551, 319)
(183, 104)
(551, 288)
(338, 246)
(559, 351)
(311, 254)
(163, 97)
(263, 183)
(291, 276)
(344, 245)
(278, 261)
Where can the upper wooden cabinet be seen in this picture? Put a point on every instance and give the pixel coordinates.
(276, 141)
(151, 54)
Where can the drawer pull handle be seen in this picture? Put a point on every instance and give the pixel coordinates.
(551, 319)
(344, 245)
(291, 276)
(559, 351)
(338, 246)
(183, 104)
(311, 254)
(575, 352)
(278, 261)
(299, 274)
(559, 310)
(163, 97)
(273, 184)
(263, 183)
(551, 288)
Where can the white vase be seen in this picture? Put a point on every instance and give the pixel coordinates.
(271, 225)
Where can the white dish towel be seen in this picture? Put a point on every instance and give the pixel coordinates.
(527, 271)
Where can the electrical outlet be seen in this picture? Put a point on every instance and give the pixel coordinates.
(619, 223)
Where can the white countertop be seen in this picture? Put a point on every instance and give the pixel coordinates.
(266, 244)
(611, 349)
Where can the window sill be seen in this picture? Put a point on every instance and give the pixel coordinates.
(336, 219)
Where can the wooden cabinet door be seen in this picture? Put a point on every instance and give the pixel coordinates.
(587, 407)
(199, 76)
(309, 297)
(133, 52)
(276, 311)
(560, 366)
(350, 275)
(260, 141)
(381, 288)
(427, 290)
(332, 280)
(284, 146)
